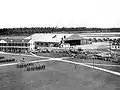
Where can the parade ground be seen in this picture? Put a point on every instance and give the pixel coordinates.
(60, 74)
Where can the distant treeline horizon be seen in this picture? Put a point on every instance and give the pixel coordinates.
(32, 30)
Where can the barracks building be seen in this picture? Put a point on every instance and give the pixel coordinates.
(16, 45)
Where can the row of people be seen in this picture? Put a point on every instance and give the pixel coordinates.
(24, 64)
(7, 60)
(30, 66)
(36, 67)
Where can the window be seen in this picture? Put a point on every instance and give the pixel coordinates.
(9, 44)
(3, 44)
(56, 45)
(41, 43)
(22, 44)
(26, 44)
(19, 44)
(118, 47)
(46, 44)
(13, 44)
(16, 44)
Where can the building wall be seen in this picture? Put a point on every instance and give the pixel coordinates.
(32, 45)
(10, 46)
(14, 47)
(77, 42)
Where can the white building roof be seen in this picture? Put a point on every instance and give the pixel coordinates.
(47, 37)
(55, 37)
(75, 37)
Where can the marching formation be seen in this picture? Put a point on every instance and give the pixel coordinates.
(23, 65)
(30, 66)
(3, 60)
(36, 67)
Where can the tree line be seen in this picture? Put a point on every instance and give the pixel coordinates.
(32, 30)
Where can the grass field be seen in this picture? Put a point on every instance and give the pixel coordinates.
(57, 76)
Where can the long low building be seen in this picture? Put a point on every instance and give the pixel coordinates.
(48, 39)
(16, 45)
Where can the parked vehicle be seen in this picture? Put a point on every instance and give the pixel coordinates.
(103, 56)
(116, 58)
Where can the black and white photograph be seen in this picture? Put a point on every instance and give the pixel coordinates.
(59, 45)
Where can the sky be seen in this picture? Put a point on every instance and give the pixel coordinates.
(59, 13)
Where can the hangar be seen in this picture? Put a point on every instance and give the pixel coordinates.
(76, 39)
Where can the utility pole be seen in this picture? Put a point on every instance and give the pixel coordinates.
(93, 57)
(93, 62)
